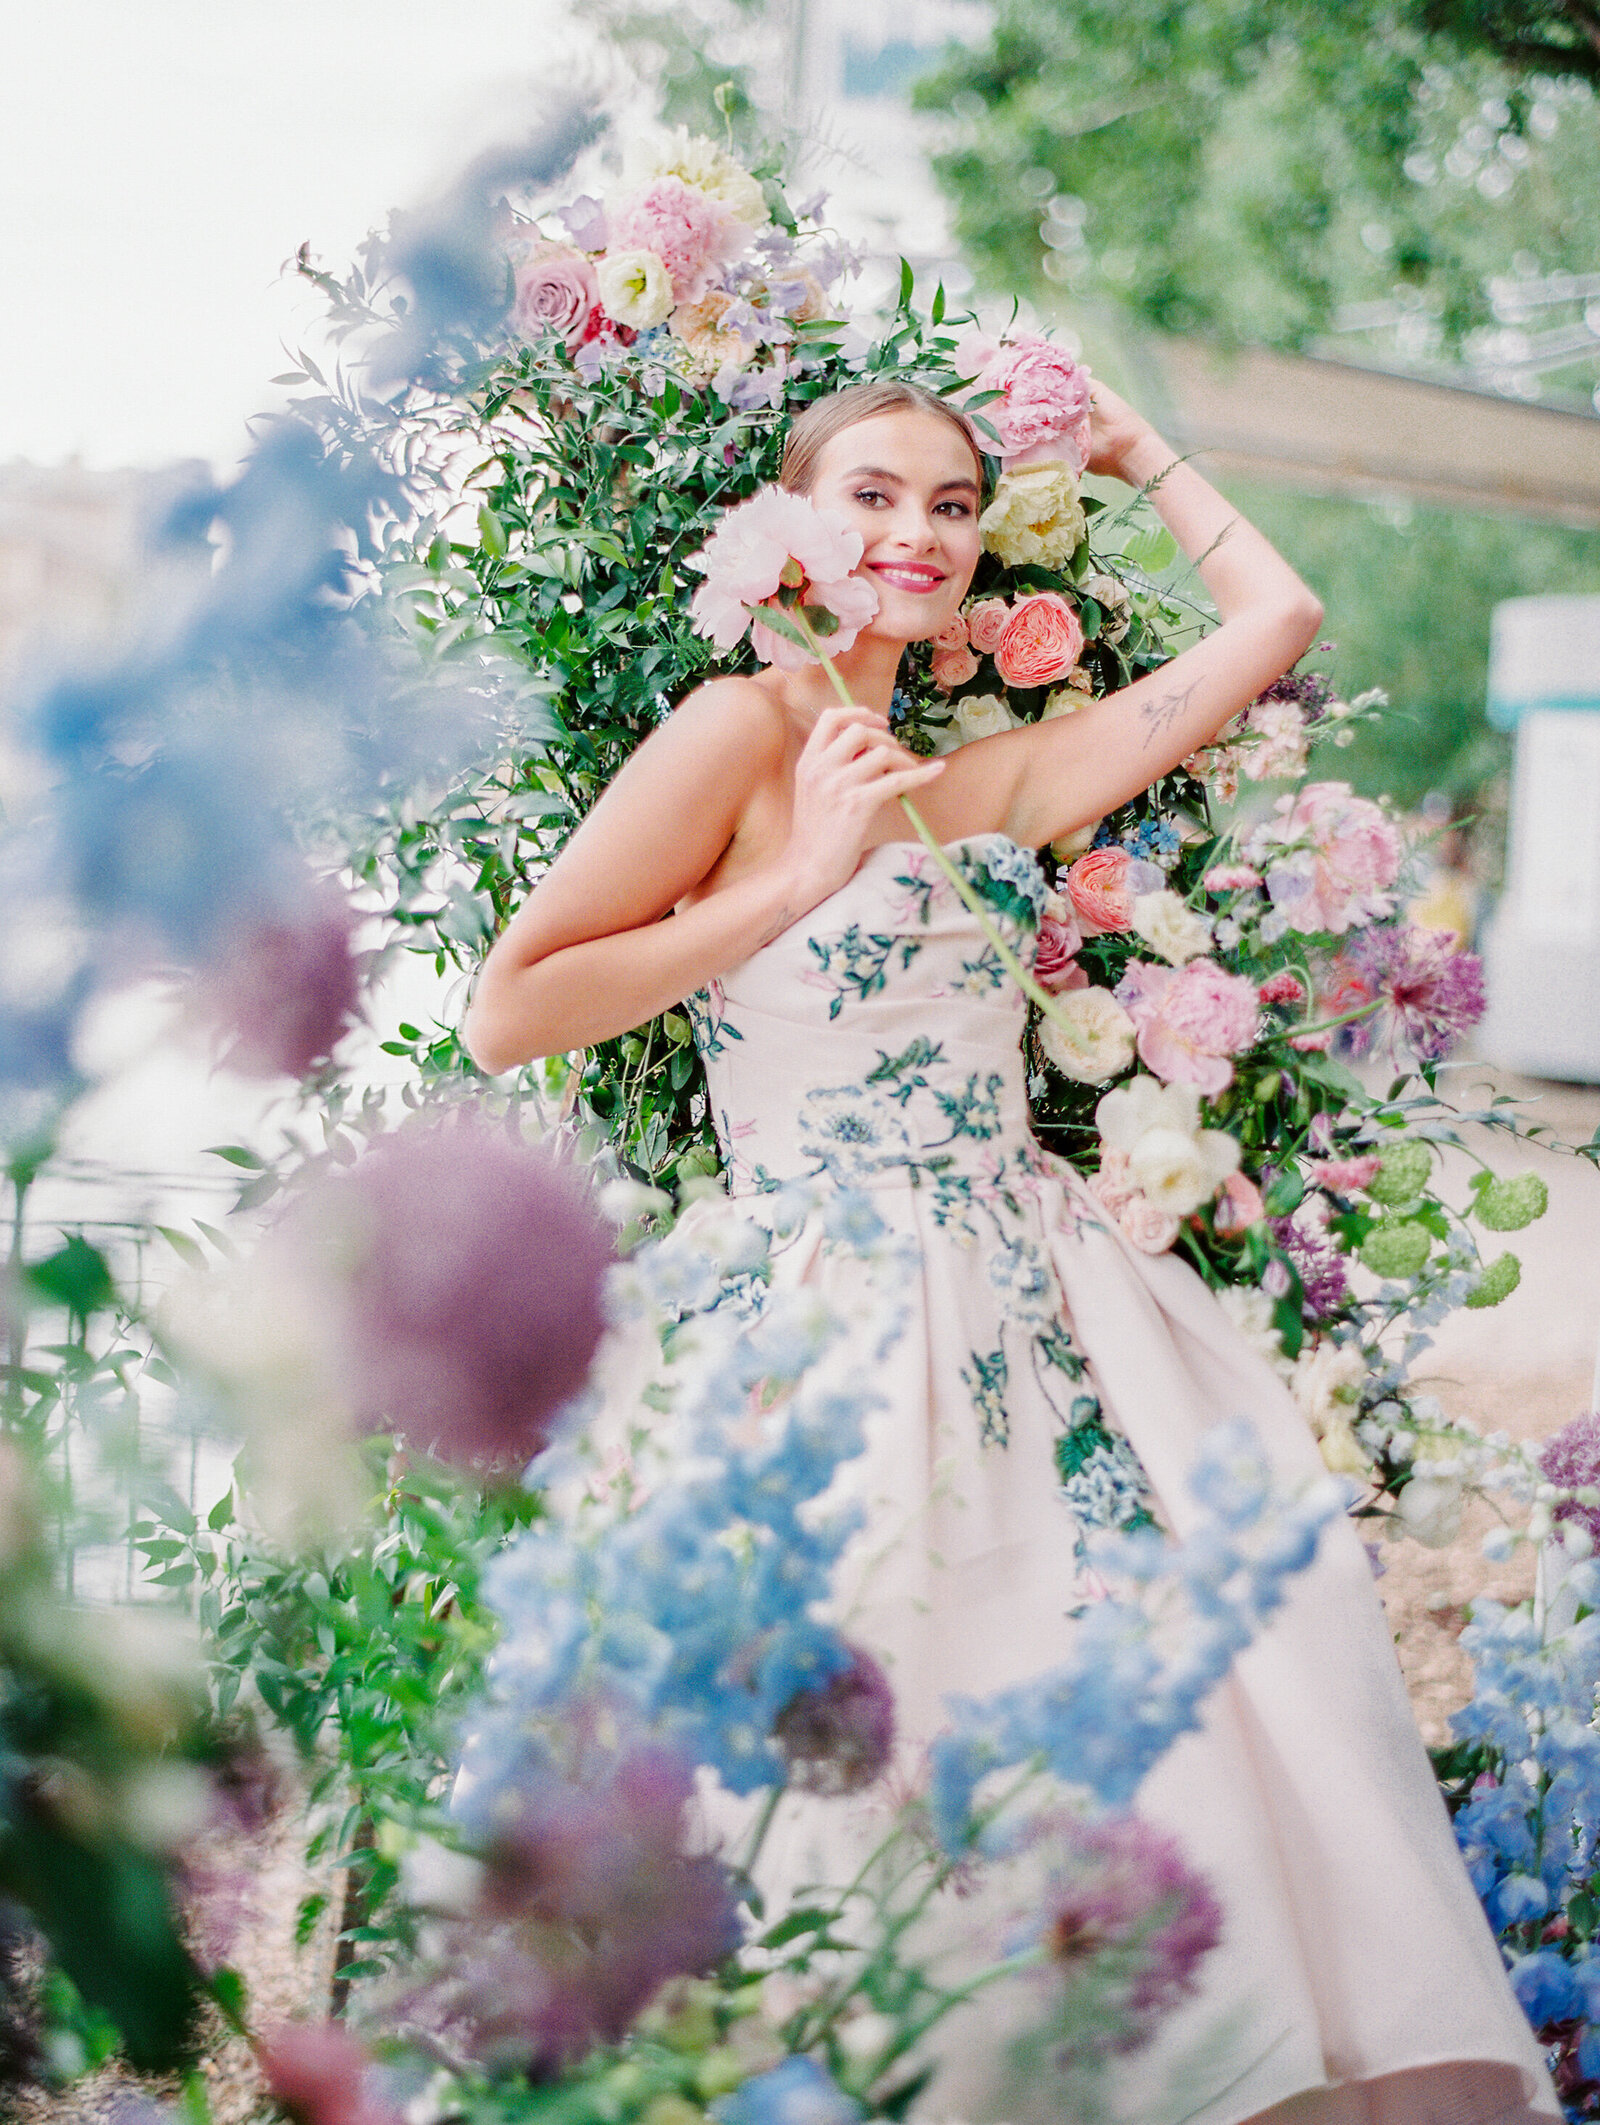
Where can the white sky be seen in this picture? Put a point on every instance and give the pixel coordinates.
(160, 159)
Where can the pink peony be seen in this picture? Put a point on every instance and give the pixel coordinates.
(744, 564)
(986, 623)
(687, 231)
(1190, 1020)
(1044, 412)
(556, 291)
(1342, 1176)
(1239, 1206)
(1230, 878)
(953, 635)
(1342, 874)
(1055, 964)
(1282, 987)
(1101, 891)
(1041, 641)
(953, 668)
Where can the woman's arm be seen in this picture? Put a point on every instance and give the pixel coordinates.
(589, 955)
(1051, 778)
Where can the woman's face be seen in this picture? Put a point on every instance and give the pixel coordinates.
(908, 484)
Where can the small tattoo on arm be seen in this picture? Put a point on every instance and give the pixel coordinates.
(1160, 715)
(784, 919)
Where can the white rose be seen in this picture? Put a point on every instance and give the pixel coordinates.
(981, 716)
(635, 288)
(1170, 927)
(1065, 701)
(1097, 1041)
(1430, 1510)
(1326, 1376)
(1178, 1172)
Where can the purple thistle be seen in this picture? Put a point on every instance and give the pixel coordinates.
(1571, 1459)
(283, 991)
(1428, 993)
(467, 1268)
(1124, 1889)
(590, 1904)
(837, 1738)
(1319, 1265)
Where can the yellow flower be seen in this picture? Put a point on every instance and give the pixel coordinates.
(1036, 519)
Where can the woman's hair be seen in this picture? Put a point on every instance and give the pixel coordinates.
(811, 431)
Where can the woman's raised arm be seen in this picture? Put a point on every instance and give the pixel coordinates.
(1055, 777)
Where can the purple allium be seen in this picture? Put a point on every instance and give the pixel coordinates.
(1428, 993)
(590, 1904)
(468, 1269)
(283, 991)
(837, 1738)
(1319, 1265)
(1571, 1459)
(1125, 1892)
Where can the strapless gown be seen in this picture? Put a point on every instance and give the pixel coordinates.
(877, 1044)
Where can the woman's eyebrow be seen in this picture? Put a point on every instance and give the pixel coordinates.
(882, 472)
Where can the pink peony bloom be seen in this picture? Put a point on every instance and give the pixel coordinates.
(1190, 1019)
(744, 564)
(1342, 1176)
(1055, 964)
(1239, 1206)
(986, 623)
(1101, 891)
(1282, 987)
(1045, 408)
(974, 350)
(1230, 878)
(556, 291)
(685, 229)
(1343, 873)
(953, 635)
(1041, 641)
(952, 668)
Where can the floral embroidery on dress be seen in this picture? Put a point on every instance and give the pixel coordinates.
(707, 1012)
(856, 965)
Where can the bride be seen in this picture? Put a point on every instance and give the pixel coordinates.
(854, 1026)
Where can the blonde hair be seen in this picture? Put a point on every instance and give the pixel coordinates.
(811, 431)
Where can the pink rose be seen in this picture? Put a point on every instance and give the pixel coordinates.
(1101, 894)
(1111, 1184)
(1344, 875)
(953, 668)
(986, 623)
(1190, 1019)
(556, 291)
(1343, 1176)
(1146, 1227)
(1239, 1206)
(685, 229)
(1055, 965)
(953, 635)
(1046, 401)
(1040, 642)
(1283, 987)
(1230, 877)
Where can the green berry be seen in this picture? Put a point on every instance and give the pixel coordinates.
(1497, 1282)
(1402, 1173)
(1396, 1249)
(1506, 1206)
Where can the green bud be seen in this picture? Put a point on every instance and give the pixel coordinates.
(1396, 1249)
(1508, 1205)
(1267, 1086)
(1497, 1282)
(1402, 1173)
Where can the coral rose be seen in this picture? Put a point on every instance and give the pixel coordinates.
(986, 623)
(953, 634)
(1040, 642)
(556, 291)
(1101, 891)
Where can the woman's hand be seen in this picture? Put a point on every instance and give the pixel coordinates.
(849, 770)
(1120, 439)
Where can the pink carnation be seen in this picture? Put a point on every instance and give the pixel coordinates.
(687, 231)
(1190, 1020)
(744, 563)
(953, 667)
(1344, 873)
(986, 623)
(1044, 412)
(1282, 987)
(556, 291)
(1342, 1176)
(1231, 878)
(1055, 965)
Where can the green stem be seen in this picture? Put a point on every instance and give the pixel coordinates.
(762, 1824)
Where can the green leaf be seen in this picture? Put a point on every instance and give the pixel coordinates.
(186, 1249)
(908, 281)
(76, 1276)
(237, 1155)
(1152, 549)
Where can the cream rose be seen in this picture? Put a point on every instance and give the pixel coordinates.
(1326, 1380)
(1065, 701)
(1429, 1510)
(1170, 927)
(1096, 1042)
(981, 716)
(1036, 519)
(635, 289)
(1179, 1172)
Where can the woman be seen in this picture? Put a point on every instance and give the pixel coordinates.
(854, 1024)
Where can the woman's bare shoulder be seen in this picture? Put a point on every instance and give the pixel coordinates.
(737, 707)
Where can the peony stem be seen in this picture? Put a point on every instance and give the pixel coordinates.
(1035, 992)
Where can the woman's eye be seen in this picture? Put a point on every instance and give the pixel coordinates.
(957, 509)
(869, 496)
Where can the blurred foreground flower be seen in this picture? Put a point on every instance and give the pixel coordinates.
(1427, 992)
(321, 2075)
(837, 1736)
(283, 991)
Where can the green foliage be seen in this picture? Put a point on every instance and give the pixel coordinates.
(1242, 169)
